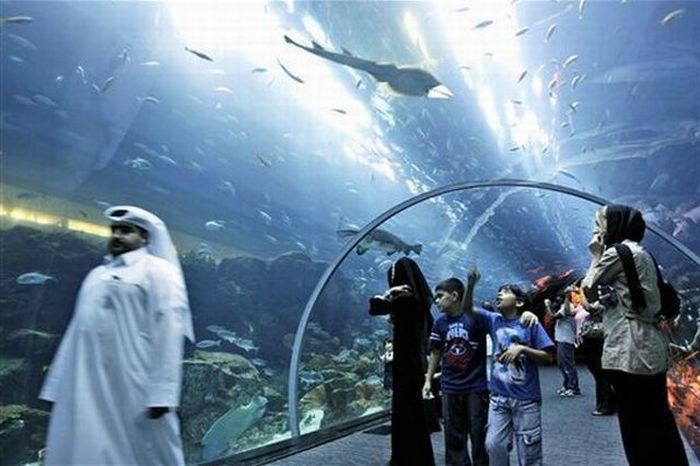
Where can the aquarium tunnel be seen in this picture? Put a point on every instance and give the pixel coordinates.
(295, 150)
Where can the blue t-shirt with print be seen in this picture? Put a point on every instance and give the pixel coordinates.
(520, 379)
(462, 343)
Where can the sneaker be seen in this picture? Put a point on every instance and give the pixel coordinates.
(569, 393)
(561, 391)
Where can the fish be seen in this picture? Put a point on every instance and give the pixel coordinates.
(339, 110)
(266, 217)
(150, 99)
(289, 73)
(215, 328)
(138, 163)
(671, 16)
(107, 84)
(214, 225)
(59, 79)
(581, 7)
(262, 161)
(522, 31)
(245, 344)
(516, 102)
(522, 76)
(483, 24)
(223, 89)
(403, 80)
(124, 56)
(201, 55)
(515, 148)
(35, 278)
(575, 80)
(569, 60)
(550, 31)
(259, 70)
(568, 175)
(381, 240)
(80, 71)
(230, 426)
(267, 371)
(227, 335)
(15, 20)
(258, 362)
(21, 41)
(151, 63)
(207, 343)
(574, 105)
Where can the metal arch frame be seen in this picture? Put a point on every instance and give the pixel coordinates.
(350, 245)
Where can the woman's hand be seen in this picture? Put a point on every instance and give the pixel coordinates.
(596, 246)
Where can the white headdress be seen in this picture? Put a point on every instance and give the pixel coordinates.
(159, 244)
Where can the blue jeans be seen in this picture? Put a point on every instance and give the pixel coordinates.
(567, 365)
(508, 416)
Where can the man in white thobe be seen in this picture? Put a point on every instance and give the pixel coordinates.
(115, 380)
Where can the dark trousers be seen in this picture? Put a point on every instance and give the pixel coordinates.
(567, 365)
(604, 395)
(465, 417)
(649, 432)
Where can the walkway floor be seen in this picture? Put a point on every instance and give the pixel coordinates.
(572, 436)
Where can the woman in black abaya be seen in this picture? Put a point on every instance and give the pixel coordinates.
(408, 300)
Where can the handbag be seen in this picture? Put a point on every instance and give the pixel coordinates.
(592, 329)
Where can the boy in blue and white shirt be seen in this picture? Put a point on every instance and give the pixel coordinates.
(515, 403)
(460, 341)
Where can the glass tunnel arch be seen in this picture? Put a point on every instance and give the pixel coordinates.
(388, 214)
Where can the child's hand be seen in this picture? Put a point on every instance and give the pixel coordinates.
(529, 319)
(474, 275)
(511, 354)
(426, 390)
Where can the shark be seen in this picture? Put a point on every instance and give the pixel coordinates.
(381, 240)
(403, 80)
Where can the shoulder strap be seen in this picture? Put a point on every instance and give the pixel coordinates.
(638, 301)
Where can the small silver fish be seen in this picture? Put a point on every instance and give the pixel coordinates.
(522, 76)
(671, 16)
(150, 99)
(207, 343)
(550, 31)
(569, 60)
(15, 20)
(214, 225)
(107, 84)
(34, 278)
(201, 55)
(522, 31)
(483, 24)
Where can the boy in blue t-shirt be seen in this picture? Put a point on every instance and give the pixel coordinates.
(515, 404)
(461, 340)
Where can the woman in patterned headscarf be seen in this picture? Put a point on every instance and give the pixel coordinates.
(408, 301)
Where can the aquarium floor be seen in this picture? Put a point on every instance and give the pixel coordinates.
(570, 435)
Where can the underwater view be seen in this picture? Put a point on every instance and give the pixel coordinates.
(268, 134)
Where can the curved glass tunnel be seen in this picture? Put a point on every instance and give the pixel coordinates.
(264, 159)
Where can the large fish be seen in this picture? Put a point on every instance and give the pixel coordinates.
(405, 81)
(230, 426)
(381, 240)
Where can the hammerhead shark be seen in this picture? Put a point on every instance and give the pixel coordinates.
(405, 81)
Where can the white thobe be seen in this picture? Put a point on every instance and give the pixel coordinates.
(122, 353)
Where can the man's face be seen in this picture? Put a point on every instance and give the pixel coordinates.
(445, 300)
(125, 237)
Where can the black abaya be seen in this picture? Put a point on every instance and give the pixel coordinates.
(410, 439)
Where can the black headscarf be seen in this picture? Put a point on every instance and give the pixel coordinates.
(405, 271)
(623, 223)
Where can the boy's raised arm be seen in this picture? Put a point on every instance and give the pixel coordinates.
(468, 298)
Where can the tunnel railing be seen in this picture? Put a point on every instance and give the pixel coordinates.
(380, 219)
